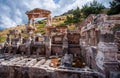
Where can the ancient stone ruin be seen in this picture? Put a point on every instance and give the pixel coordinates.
(101, 43)
(92, 50)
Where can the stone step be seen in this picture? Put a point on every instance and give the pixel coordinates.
(23, 62)
(39, 63)
(31, 63)
(46, 64)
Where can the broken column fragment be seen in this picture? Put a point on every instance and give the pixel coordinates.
(66, 60)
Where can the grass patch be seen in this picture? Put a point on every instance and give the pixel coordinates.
(2, 39)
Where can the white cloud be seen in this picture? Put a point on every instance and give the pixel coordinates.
(12, 12)
(105, 2)
(7, 21)
(66, 5)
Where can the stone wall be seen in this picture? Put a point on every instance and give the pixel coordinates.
(25, 72)
(56, 49)
(57, 39)
(117, 41)
(98, 33)
(73, 38)
(75, 49)
(74, 43)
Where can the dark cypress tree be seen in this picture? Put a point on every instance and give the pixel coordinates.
(92, 8)
(115, 7)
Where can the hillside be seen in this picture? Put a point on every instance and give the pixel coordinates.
(56, 21)
(4, 32)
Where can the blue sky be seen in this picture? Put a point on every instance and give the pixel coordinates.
(56, 1)
(12, 12)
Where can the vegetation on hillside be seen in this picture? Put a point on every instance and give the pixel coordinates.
(75, 18)
(68, 12)
(115, 7)
(2, 39)
(92, 8)
(4, 32)
(40, 27)
(79, 14)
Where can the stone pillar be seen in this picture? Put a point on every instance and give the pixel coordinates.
(20, 39)
(93, 37)
(33, 22)
(48, 46)
(8, 40)
(65, 44)
(49, 20)
(96, 37)
(28, 24)
(29, 21)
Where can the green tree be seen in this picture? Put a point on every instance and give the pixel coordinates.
(92, 8)
(76, 15)
(115, 7)
(68, 20)
(75, 18)
(68, 12)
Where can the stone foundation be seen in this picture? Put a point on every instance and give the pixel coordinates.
(24, 67)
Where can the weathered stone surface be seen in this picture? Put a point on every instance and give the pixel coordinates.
(74, 49)
(67, 60)
(96, 31)
(56, 49)
(73, 38)
(57, 39)
(22, 67)
(114, 74)
(117, 39)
